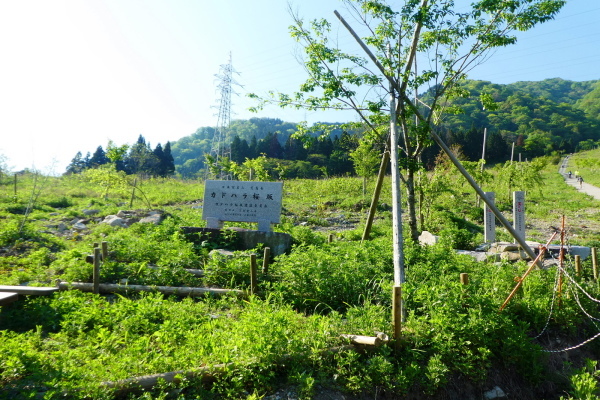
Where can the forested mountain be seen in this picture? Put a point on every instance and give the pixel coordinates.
(246, 138)
(536, 118)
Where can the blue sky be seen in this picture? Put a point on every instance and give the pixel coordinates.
(77, 73)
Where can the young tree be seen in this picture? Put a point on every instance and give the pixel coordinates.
(365, 160)
(426, 44)
(116, 154)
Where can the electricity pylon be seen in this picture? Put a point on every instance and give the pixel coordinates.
(220, 148)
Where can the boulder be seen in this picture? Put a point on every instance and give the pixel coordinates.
(428, 238)
(79, 226)
(113, 220)
(495, 393)
(89, 212)
(154, 218)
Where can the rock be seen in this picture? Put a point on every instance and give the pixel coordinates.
(125, 214)
(113, 220)
(79, 226)
(495, 393)
(483, 247)
(501, 247)
(477, 255)
(155, 219)
(62, 227)
(221, 252)
(90, 212)
(428, 238)
(514, 255)
(582, 251)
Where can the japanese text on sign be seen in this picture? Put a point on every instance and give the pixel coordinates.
(242, 201)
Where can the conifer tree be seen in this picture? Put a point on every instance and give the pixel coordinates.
(77, 164)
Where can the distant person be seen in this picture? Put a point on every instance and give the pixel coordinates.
(576, 174)
(580, 180)
(570, 174)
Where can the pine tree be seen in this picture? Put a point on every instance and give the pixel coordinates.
(77, 164)
(168, 163)
(99, 158)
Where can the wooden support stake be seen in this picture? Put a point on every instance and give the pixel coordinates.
(96, 273)
(561, 261)
(385, 160)
(133, 193)
(578, 265)
(397, 314)
(330, 238)
(266, 257)
(104, 251)
(520, 280)
(253, 273)
(464, 278)
(594, 263)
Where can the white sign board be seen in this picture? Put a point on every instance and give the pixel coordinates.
(519, 213)
(489, 220)
(242, 201)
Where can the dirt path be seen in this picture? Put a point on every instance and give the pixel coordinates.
(585, 187)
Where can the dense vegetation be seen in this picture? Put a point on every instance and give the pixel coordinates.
(455, 345)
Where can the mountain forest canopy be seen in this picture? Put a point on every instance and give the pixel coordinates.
(539, 118)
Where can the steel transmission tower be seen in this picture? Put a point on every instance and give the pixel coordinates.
(219, 147)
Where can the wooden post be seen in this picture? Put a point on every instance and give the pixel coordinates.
(96, 273)
(578, 266)
(133, 193)
(252, 273)
(594, 263)
(397, 314)
(266, 257)
(561, 261)
(330, 238)
(15, 185)
(385, 160)
(104, 251)
(94, 245)
(464, 278)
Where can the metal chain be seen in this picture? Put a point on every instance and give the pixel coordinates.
(554, 291)
(574, 347)
(560, 269)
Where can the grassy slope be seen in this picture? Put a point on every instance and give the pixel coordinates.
(456, 341)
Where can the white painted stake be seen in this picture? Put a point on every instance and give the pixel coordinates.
(519, 213)
(489, 220)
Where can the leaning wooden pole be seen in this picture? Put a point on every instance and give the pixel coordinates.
(520, 240)
(439, 141)
(521, 279)
(385, 160)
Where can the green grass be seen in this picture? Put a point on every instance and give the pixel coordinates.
(588, 165)
(290, 333)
